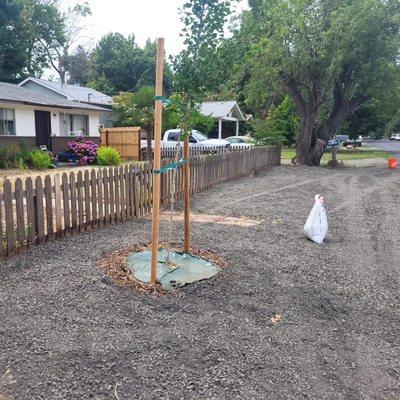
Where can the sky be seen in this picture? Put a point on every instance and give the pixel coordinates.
(144, 18)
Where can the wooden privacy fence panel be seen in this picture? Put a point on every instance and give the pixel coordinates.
(34, 212)
(125, 140)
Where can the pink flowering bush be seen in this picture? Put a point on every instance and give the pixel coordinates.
(84, 150)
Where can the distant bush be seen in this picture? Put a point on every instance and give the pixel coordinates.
(85, 150)
(40, 159)
(13, 156)
(108, 156)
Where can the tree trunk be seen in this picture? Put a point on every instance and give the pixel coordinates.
(309, 148)
(148, 139)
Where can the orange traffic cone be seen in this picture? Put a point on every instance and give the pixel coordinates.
(392, 163)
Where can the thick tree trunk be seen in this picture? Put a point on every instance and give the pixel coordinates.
(310, 155)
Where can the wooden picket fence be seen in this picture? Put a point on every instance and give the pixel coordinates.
(36, 211)
(170, 152)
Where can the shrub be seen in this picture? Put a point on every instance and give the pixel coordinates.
(9, 156)
(40, 159)
(85, 150)
(108, 156)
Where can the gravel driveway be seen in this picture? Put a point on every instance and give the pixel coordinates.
(66, 332)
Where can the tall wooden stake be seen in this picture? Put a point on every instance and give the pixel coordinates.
(157, 159)
(186, 183)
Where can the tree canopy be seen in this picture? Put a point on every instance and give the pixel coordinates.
(330, 57)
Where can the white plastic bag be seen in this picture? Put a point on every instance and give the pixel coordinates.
(316, 226)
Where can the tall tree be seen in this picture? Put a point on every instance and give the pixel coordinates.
(72, 26)
(42, 27)
(78, 65)
(119, 64)
(12, 49)
(330, 57)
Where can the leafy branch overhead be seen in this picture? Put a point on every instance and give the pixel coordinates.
(194, 67)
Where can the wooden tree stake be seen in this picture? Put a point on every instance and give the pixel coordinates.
(157, 159)
(186, 184)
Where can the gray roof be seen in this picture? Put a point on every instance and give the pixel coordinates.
(74, 92)
(221, 109)
(18, 94)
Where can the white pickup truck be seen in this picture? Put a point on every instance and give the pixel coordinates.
(172, 138)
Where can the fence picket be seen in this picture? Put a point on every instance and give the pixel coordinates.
(2, 238)
(80, 189)
(117, 196)
(106, 187)
(58, 208)
(48, 191)
(66, 204)
(122, 193)
(30, 211)
(39, 210)
(93, 186)
(20, 213)
(100, 202)
(9, 217)
(88, 214)
(74, 203)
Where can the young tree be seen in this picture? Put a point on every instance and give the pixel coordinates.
(330, 57)
(196, 69)
(137, 109)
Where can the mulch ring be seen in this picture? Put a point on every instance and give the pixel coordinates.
(114, 265)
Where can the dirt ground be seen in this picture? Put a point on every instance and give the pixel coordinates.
(287, 319)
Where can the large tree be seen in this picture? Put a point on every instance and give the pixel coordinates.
(78, 66)
(42, 27)
(71, 29)
(12, 49)
(119, 64)
(329, 56)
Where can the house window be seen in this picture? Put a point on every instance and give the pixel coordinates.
(74, 125)
(7, 121)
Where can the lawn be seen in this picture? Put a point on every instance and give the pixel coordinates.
(344, 154)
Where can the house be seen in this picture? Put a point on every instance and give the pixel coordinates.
(37, 119)
(73, 93)
(227, 116)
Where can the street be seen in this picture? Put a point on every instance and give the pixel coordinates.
(392, 146)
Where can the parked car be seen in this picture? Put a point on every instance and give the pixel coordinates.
(395, 136)
(353, 142)
(172, 138)
(240, 141)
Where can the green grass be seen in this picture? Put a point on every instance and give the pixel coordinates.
(343, 154)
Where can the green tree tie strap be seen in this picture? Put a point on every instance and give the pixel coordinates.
(170, 167)
(163, 99)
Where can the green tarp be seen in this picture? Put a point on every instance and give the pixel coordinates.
(183, 269)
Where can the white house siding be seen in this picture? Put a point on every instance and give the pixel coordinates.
(25, 119)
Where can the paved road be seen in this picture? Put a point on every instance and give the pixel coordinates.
(391, 146)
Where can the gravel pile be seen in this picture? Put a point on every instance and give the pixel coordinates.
(288, 319)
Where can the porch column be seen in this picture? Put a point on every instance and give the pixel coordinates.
(237, 127)
(220, 129)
